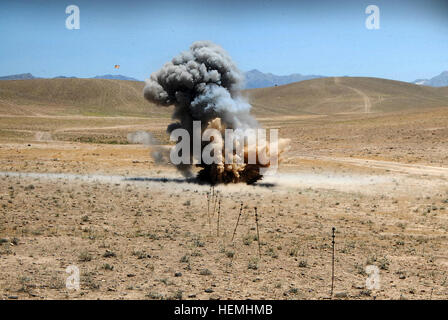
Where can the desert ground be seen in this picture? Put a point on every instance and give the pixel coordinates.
(75, 192)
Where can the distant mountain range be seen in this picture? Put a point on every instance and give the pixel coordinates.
(115, 77)
(22, 76)
(258, 79)
(254, 79)
(27, 76)
(438, 81)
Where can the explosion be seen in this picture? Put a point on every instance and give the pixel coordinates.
(205, 85)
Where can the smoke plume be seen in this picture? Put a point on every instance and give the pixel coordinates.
(204, 84)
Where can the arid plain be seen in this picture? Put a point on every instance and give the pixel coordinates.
(368, 157)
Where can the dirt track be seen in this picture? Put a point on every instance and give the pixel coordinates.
(366, 99)
(139, 230)
(387, 165)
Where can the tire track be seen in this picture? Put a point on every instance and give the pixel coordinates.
(366, 99)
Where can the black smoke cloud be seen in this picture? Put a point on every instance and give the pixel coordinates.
(203, 84)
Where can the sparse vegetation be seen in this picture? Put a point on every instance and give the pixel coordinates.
(108, 267)
(253, 264)
(83, 208)
(205, 272)
(85, 256)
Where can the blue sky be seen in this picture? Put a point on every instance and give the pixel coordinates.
(282, 37)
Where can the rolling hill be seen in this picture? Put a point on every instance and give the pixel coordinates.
(71, 96)
(104, 97)
(345, 94)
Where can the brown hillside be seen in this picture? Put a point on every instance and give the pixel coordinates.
(345, 95)
(103, 97)
(76, 96)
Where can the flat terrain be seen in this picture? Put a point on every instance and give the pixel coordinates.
(74, 191)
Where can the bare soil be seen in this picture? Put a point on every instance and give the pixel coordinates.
(138, 230)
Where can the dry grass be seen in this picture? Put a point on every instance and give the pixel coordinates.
(152, 239)
(139, 241)
(345, 95)
(89, 97)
